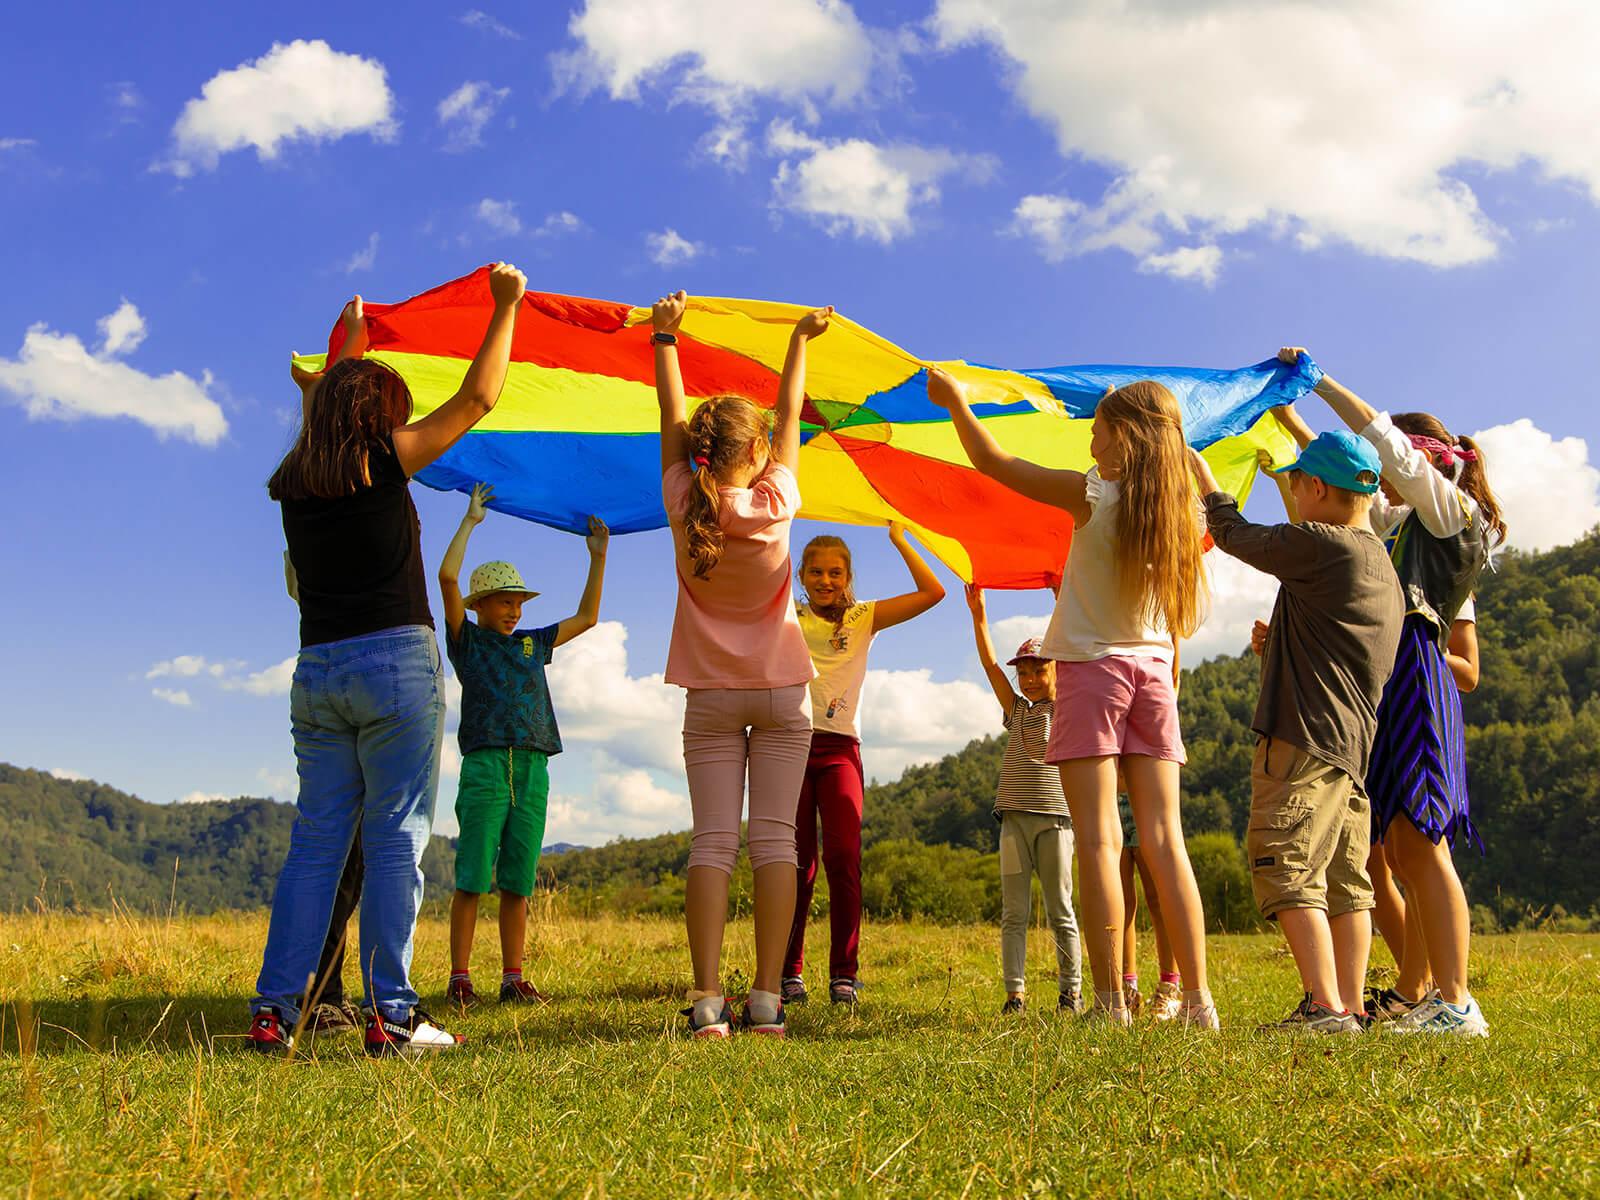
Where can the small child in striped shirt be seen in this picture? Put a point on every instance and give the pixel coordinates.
(1035, 827)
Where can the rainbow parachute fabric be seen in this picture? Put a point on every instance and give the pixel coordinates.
(576, 430)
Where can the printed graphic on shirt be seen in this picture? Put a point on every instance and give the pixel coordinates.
(505, 700)
(839, 654)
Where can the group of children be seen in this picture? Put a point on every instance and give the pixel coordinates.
(1358, 769)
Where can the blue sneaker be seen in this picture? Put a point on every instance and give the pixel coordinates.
(773, 1028)
(1436, 1015)
(720, 1028)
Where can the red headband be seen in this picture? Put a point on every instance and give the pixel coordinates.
(1447, 453)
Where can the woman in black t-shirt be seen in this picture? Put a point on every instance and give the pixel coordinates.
(366, 705)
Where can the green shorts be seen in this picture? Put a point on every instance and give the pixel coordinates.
(500, 806)
(1130, 831)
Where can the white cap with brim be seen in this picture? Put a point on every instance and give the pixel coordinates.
(494, 577)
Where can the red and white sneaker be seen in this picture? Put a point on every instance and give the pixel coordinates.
(269, 1033)
(417, 1035)
(722, 1027)
(772, 1028)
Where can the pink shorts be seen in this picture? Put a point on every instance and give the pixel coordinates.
(1114, 706)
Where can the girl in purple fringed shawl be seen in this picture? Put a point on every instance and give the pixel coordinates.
(1440, 521)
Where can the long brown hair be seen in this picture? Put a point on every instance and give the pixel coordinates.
(1158, 535)
(1474, 476)
(847, 600)
(720, 433)
(358, 402)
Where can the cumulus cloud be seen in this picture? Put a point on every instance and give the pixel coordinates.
(558, 224)
(363, 259)
(188, 666)
(668, 248)
(1548, 488)
(480, 20)
(859, 187)
(719, 53)
(69, 776)
(465, 113)
(57, 377)
(1368, 149)
(230, 675)
(178, 697)
(271, 681)
(908, 717)
(1240, 596)
(1010, 632)
(17, 143)
(500, 216)
(303, 91)
(623, 802)
(202, 798)
(638, 719)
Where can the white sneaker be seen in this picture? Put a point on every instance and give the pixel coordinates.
(1200, 1016)
(417, 1035)
(1436, 1015)
(1117, 1018)
(1167, 1002)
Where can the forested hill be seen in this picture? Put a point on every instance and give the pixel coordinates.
(80, 844)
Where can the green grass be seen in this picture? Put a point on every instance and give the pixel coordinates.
(124, 1073)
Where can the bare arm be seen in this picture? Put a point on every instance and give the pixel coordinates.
(1461, 655)
(291, 581)
(418, 444)
(1290, 508)
(1295, 424)
(665, 317)
(354, 320)
(1349, 407)
(991, 666)
(890, 612)
(455, 611)
(588, 614)
(1063, 489)
(792, 387)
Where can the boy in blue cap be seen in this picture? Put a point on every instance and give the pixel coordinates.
(1329, 650)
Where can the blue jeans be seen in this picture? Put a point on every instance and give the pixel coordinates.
(368, 718)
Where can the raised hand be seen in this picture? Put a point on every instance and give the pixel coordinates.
(975, 600)
(1290, 355)
(506, 284)
(477, 506)
(353, 318)
(666, 314)
(599, 538)
(944, 390)
(814, 323)
(897, 533)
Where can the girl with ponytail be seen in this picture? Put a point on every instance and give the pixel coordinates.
(1440, 520)
(728, 482)
(1131, 588)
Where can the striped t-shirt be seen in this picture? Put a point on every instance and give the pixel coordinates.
(1027, 783)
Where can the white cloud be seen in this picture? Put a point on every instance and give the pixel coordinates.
(727, 144)
(719, 53)
(178, 697)
(669, 248)
(465, 113)
(188, 666)
(302, 91)
(363, 259)
(908, 718)
(125, 96)
(1199, 263)
(202, 797)
(1223, 129)
(859, 187)
(1010, 632)
(638, 719)
(69, 776)
(624, 802)
(558, 224)
(121, 331)
(17, 143)
(270, 681)
(57, 377)
(1240, 596)
(500, 216)
(1547, 487)
(280, 785)
(477, 19)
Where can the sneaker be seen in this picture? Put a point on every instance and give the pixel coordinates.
(1311, 1017)
(720, 1028)
(793, 990)
(520, 991)
(1070, 1002)
(1134, 1001)
(334, 1018)
(1012, 1007)
(417, 1035)
(1436, 1015)
(1386, 1004)
(1199, 1016)
(844, 990)
(772, 1028)
(1118, 1018)
(459, 992)
(1167, 1002)
(268, 1032)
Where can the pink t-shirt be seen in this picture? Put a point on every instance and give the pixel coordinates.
(737, 628)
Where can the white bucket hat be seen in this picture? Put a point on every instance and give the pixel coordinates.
(494, 577)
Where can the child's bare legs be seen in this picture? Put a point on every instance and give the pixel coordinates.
(1090, 785)
(705, 907)
(1165, 959)
(1414, 971)
(463, 924)
(513, 930)
(1352, 945)
(1434, 889)
(1130, 911)
(1153, 794)
(1390, 913)
(775, 886)
(1311, 942)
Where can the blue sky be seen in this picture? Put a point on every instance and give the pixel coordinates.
(979, 181)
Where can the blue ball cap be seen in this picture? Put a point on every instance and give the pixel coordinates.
(1340, 458)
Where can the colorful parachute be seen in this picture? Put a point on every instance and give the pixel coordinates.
(576, 429)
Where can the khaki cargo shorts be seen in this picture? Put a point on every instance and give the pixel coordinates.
(1310, 832)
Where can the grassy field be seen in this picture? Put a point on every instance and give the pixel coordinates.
(124, 1073)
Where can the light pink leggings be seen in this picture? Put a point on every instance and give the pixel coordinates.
(727, 731)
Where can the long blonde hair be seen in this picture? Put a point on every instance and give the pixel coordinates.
(847, 600)
(1158, 535)
(720, 433)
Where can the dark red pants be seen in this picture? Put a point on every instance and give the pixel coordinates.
(832, 791)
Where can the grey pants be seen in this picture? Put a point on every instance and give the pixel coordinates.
(1032, 843)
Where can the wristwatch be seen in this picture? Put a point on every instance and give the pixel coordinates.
(664, 339)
